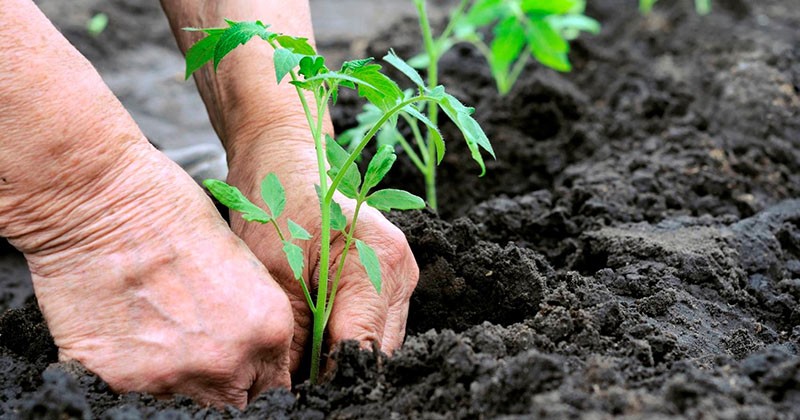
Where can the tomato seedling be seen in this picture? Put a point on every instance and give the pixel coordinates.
(296, 59)
(522, 29)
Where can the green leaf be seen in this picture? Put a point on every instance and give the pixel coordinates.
(273, 194)
(338, 221)
(570, 26)
(472, 131)
(548, 7)
(97, 24)
(379, 166)
(509, 41)
(390, 199)
(294, 254)
(285, 61)
(337, 157)
(377, 87)
(484, 12)
(370, 262)
(349, 66)
(238, 34)
(548, 46)
(645, 6)
(438, 143)
(296, 44)
(419, 61)
(401, 65)
(334, 75)
(703, 7)
(298, 232)
(232, 198)
(312, 66)
(201, 52)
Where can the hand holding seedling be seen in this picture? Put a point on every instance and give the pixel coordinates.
(334, 233)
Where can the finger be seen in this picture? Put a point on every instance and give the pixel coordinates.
(395, 329)
(359, 312)
(405, 276)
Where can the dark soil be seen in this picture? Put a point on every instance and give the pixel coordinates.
(633, 251)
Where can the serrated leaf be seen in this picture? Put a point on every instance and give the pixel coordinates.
(311, 66)
(379, 166)
(200, 53)
(285, 61)
(392, 199)
(369, 259)
(472, 131)
(296, 44)
(273, 194)
(406, 69)
(294, 254)
(377, 87)
(349, 66)
(233, 199)
(298, 232)
(338, 221)
(335, 75)
(238, 34)
(337, 157)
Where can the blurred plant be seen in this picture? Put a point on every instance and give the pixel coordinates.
(97, 24)
(703, 7)
(522, 29)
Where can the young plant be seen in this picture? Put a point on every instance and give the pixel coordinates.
(522, 29)
(703, 7)
(296, 59)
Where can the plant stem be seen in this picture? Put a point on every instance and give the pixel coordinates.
(433, 111)
(325, 241)
(347, 244)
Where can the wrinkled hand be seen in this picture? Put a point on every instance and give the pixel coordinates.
(359, 312)
(158, 297)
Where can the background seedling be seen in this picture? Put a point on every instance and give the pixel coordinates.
(521, 30)
(703, 7)
(296, 59)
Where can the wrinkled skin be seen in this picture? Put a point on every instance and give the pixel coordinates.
(137, 276)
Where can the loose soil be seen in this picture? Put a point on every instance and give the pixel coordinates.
(633, 251)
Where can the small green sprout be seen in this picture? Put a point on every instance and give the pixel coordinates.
(522, 29)
(703, 7)
(296, 59)
(97, 24)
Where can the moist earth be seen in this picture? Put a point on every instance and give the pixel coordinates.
(633, 251)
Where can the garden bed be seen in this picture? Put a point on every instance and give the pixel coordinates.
(634, 249)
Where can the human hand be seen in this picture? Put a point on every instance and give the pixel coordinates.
(149, 289)
(359, 312)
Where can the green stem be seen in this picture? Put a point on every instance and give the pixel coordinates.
(423, 151)
(433, 111)
(348, 242)
(411, 153)
(453, 20)
(516, 71)
(325, 242)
